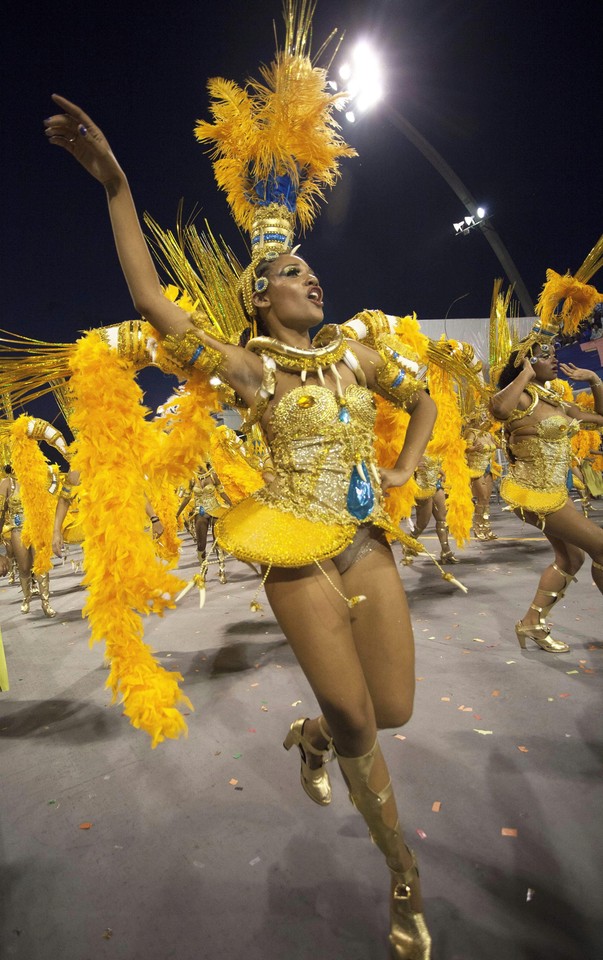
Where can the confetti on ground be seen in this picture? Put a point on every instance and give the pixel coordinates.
(523, 749)
(255, 860)
(296, 703)
(496, 693)
(509, 832)
(238, 788)
(564, 696)
(529, 895)
(264, 708)
(422, 834)
(236, 756)
(483, 732)
(476, 716)
(466, 709)
(51, 802)
(449, 637)
(107, 934)
(445, 699)
(251, 730)
(436, 806)
(399, 736)
(510, 661)
(551, 699)
(233, 782)
(85, 826)
(477, 640)
(570, 672)
(431, 638)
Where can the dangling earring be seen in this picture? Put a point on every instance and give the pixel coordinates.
(261, 284)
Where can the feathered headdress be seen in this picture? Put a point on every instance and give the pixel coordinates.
(275, 147)
(579, 300)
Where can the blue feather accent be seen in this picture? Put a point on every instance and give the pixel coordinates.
(361, 497)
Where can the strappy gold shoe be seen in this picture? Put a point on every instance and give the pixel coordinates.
(540, 634)
(409, 937)
(316, 783)
(447, 556)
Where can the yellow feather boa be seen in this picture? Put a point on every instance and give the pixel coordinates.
(31, 468)
(125, 579)
(238, 478)
(448, 443)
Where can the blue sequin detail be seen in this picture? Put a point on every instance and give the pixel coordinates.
(399, 379)
(344, 415)
(361, 498)
(18, 520)
(196, 354)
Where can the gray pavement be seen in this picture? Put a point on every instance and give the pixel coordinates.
(179, 862)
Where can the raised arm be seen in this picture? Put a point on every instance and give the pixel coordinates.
(595, 383)
(503, 403)
(74, 131)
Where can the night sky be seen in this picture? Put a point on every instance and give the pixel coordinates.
(508, 93)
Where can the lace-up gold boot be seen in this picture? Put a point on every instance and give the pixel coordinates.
(44, 587)
(446, 555)
(481, 523)
(409, 937)
(540, 632)
(25, 582)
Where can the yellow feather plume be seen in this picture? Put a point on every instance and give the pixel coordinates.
(31, 469)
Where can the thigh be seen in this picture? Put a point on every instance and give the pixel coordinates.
(439, 506)
(423, 512)
(317, 624)
(383, 635)
(573, 528)
(23, 555)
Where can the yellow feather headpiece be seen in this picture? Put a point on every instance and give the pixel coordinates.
(275, 144)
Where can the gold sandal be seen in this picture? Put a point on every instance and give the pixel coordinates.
(315, 782)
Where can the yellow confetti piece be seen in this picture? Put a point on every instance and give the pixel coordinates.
(296, 703)
(436, 806)
(254, 684)
(233, 782)
(483, 732)
(445, 699)
(523, 749)
(509, 832)
(419, 678)
(570, 672)
(264, 708)
(467, 709)
(477, 640)
(399, 736)
(551, 699)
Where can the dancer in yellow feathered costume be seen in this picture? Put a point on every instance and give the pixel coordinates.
(319, 526)
(539, 426)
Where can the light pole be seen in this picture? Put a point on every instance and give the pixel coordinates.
(362, 80)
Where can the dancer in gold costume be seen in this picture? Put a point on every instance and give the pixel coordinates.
(481, 446)
(538, 429)
(431, 501)
(319, 528)
(12, 507)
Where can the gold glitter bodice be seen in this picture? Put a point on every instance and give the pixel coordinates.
(317, 442)
(539, 464)
(478, 460)
(428, 472)
(14, 508)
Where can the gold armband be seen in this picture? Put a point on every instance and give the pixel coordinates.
(188, 351)
(396, 376)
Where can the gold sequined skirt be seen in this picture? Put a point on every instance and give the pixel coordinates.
(260, 533)
(540, 502)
